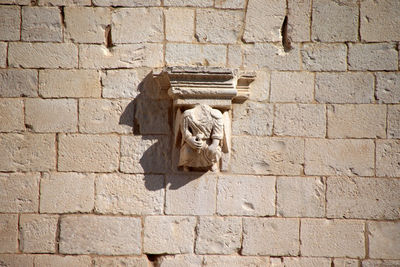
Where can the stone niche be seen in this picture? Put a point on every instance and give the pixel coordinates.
(202, 103)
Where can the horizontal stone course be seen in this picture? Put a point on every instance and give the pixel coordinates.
(377, 56)
(17, 82)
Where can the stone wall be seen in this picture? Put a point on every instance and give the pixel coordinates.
(85, 134)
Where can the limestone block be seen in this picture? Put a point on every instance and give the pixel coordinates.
(235, 56)
(380, 263)
(86, 24)
(270, 236)
(179, 24)
(388, 87)
(8, 233)
(64, 2)
(324, 57)
(16, 260)
(380, 20)
(15, 83)
(299, 16)
(42, 55)
(129, 194)
(62, 261)
(195, 55)
(252, 118)
(151, 116)
(326, 27)
(51, 115)
(259, 89)
(235, 261)
(269, 155)
(367, 198)
(380, 56)
(193, 3)
(38, 233)
(332, 238)
(27, 152)
(292, 87)
(300, 197)
(181, 261)
(356, 121)
(69, 83)
(246, 195)
(41, 24)
(345, 263)
(146, 27)
(16, 2)
(10, 20)
(19, 192)
(190, 195)
(344, 88)
(3, 54)
(231, 4)
(384, 240)
(11, 115)
(168, 234)
(66, 192)
(101, 235)
(300, 262)
(120, 261)
(127, 3)
(388, 158)
(339, 157)
(264, 21)
(300, 120)
(393, 119)
(88, 153)
(123, 83)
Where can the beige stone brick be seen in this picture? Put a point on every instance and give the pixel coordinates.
(384, 240)
(101, 235)
(130, 194)
(380, 263)
(64, 2)
(27, 152)
(388, 158)
(269, 155)
(195, 55)
(62, 261)
(300, 262)
(339, 157)
(120, 261)
(86, 153)
(194, 3)
(380, 56)
(300, 120)
(235, 56)
(8, 233)
(51, 115)
(15, 83)
(366, 198)
(16, 2)
(326, 27)
(179, 24)
(299, 16)
(151, 116)
(19, 192)
(332, 238)
(16, 260)
(38, 233)
(356, 121)
(41, 24)
(259, 89)
(344, 88)
(127, 3)
(345, 263)
(246, 195)
(168, 234)
(190, 194)
(86, 24)
(3, 54)
(231, 4)
(10, 20)
(379, 20)
(393, 121)
(69, 83)
(388, 87)
(270, 236)
(252, 118)
(11, 115)
(66, 192)
(292, 87)
(42, 55)
(324, 57)
(181, 261)
(235, 261)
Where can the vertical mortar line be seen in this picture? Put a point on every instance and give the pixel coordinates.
(194, 37)
(366, 239)
(387, 122)
(273, 118)
(311, 19)
(164, 35)
(227, 55)
(241, 236)
(39, 189)
(78, 101)
(375, 157)
(314, 86)
(359, 20)
(20, 23)
(58, 232)
(196, 233)
(241, 35)
(19, 233)
(276, 196)
(165, 193)
(7, 46)
(56, 147)
(62, 16)
(142, 234)
(299, 237)
(325, 180)
(269, 86)
(326, 120)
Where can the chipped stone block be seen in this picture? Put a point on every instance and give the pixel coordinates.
(252, 118)
(120, 261)
(179, 24)
(388, 87)
(195, 55)
(127, 3)
(62, 260)
(41, 24)
(8, 233)
(324, 57)
(235, 261)
(384, 240)
(11, 115)
(191, 3)
(388, 158)
(10, 20)
(64, 2)
(231, 4)
(292, 87)
(16, 260)
(299, 15)
(3, 54)
(16, 83)
(379, 56)
(393, 121)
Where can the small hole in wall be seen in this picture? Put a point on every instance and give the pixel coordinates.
(286, 43)
(109, 43)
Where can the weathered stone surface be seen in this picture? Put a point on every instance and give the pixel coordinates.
(292, 87)
(300, 262)
(16, 260)
(102, 235)
(269, 155)
(19, 192)
(41, 24)
(64, 2)
(195, 54)
(300, 120)
(393, 120)
(190, 195)
(3, 54)
(8, 233)
(86, 24)
(299, 14)
(339, 157)
(15, 83)
(344, 88)
(380, 263)
(66, 192)
(246, 195)
(235, 261)
(10, 23)
(345, 263)
(235, 56)
(16, 2)
(181, 261)
(62, 261)
(151, 116)
(270, 236)
(355, 121)
(27, 152)
(38, 233)
(388, 158)
(194, 3)
(179, 24)
(324, 57)
(384, 240)
(388, 87)
(130, 194)
(120, 261)
(100, 153)
(127, 3)
(367, 198)
(252, 118)
(300, 197)
(168, 234)
(231, 4)
(332, 238)
(259, 89)
(372, 57)
(11, 115)
(51, 115)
